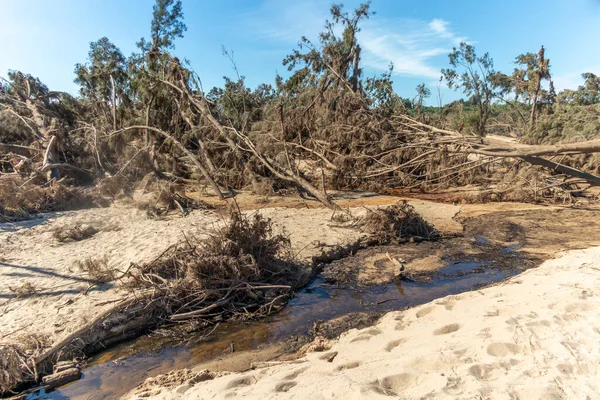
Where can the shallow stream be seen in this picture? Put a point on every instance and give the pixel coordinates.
(116, 371)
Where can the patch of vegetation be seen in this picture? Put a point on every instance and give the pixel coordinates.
(17, 362)
(98, 269)
(398, 223)
(19, 199)
(25, 290)
(240, 267)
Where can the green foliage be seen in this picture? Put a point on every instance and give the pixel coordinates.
(423, 92)
(237, 104)
(570, 124)
(534, 68)
(335, 56)
(26, 86)
(474, 75)
(587, 94)
(105, 63)
(380, 93)
(167, 23)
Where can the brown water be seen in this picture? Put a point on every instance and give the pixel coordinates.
(120, 369)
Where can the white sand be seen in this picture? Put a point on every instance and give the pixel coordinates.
(537, 336)
(29, 253)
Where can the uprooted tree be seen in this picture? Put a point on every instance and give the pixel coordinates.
(324, 127)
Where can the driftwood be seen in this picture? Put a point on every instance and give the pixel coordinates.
(531, 154)
(82, 331)
(61, 378)
(232, 135)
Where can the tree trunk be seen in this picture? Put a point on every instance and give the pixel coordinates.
(114, 103)
(355, 70)
(532, 117)
(50, 158)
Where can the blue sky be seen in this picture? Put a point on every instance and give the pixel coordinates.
(46, 38)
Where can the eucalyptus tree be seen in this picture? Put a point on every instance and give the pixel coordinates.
(153, 99)
(475, 76)
(104, 79)
(380, 93)
(336, 58)
(589, 93)
(534, 68)
(423, 93)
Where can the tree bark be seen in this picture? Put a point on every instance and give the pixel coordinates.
(114, 103)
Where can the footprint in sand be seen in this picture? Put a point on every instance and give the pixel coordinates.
(448, 304)
(579, 307)
(424, 311)
(482, 371)
(537, 324)
(350, 365)
(454, 386)
(366, 335)
(502, 349)
(401, 325)
(295, 374)
(329, 356)
(244, 381)
(393, 385)
(444, 330)
(284, 386)
(393, 344)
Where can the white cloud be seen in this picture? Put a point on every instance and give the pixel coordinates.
(572, 80)
(286, 21)
(567, 81)
(411, 45)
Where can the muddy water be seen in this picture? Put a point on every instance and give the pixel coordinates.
(116, 371)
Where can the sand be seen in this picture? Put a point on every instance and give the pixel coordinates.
(535, 336)
(537, 332)
(65, 298)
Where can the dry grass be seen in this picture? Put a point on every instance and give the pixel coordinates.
(11, 368)
(159, 198)
(532, 184)
(74, 233)
(25, 290)
(398, 223)
(98, 269)
(19, 199)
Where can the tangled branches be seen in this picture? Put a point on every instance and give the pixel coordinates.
(239, 269)
(17, 362)
(19, 199)
(399, 222)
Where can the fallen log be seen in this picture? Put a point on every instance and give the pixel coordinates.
(61, 378)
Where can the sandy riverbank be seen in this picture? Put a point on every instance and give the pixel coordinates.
(535, 336)
(60, 298)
